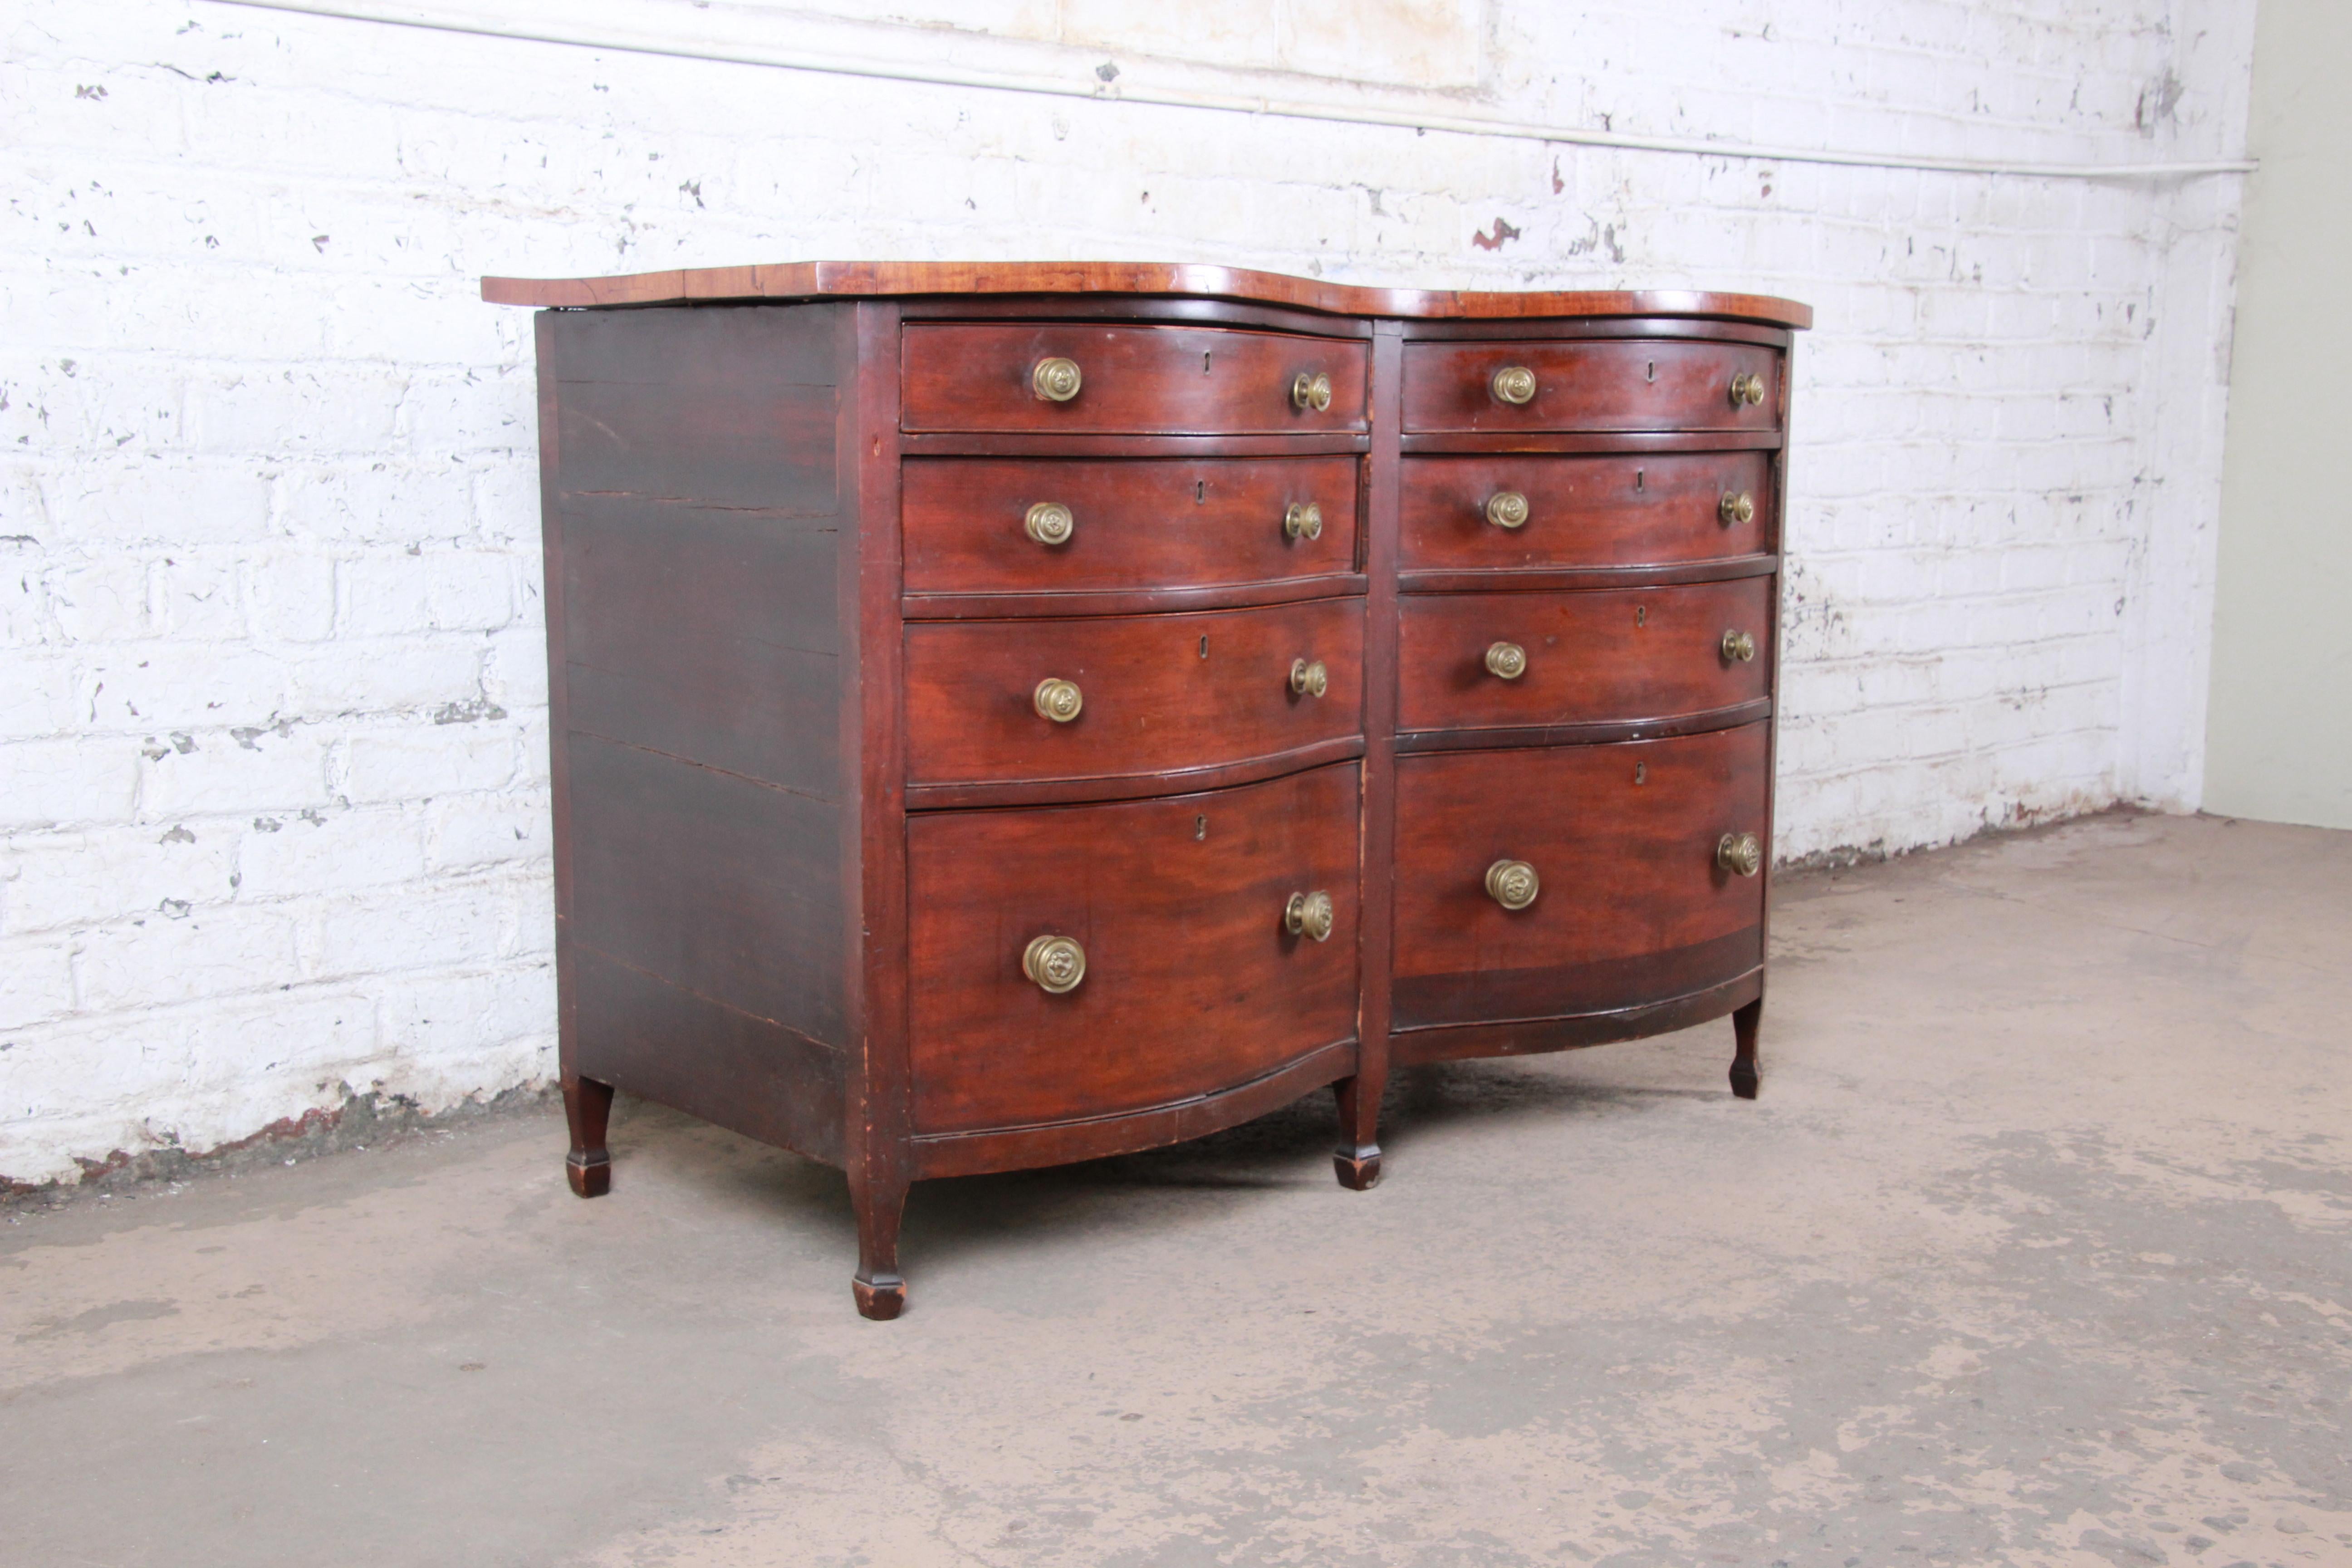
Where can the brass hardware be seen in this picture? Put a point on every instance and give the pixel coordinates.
(1512, 884)
(1309, 914)
(1747, 387)
(1058, 700)
(1309, 679)
(1506, 509)
(1640, 615)
(1304, 520)
(1736, 511)
(1641, 772)
(1056, 963)
(1056, 379)
(1506, 660)
(1513, 383)
(1200, 830)
(1050, 523)
(1311, 392)
(1740, 852)
(1738, 647)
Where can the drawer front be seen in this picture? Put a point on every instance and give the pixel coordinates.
(1156, 693)
(1130, 380)
(1584, 512)
(1631, 905)
(1192, 980)
(1123, 524)
(1584, 657)
(1642, 383)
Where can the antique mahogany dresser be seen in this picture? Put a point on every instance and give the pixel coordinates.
(1011, 714)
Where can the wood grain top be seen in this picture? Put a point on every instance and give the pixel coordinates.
(834, 279)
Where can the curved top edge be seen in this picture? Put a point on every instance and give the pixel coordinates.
(831, 279)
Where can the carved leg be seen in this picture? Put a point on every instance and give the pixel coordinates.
(588, 1105)
(880, 1204)
(1358, 1157)
(1746, 1070)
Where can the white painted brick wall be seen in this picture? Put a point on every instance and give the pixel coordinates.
(272, 724)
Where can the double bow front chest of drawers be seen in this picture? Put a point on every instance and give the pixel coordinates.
(1009, 715)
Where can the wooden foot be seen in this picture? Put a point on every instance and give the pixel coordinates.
(1358, 1158)
(880, 1290)
(1746, 1071)
(588, 1106)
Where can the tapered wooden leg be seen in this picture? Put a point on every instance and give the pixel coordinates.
(588, 1106)
(1746, 1071)
(880, 1204)
(1358, 1157)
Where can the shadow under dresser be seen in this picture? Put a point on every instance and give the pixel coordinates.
(1011, 714)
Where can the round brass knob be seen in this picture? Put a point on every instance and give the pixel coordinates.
(1735, 509)
(1506, 509)
(1740, 852)
(1506, 660)
(1311, 392)
(1058, 700)
(1513, 383)
(1056, 963)
(1512, 884)
(1304, 520)
(1050, 523)
(1309, 679)
(1738, 647)
(1309, 914)
(1056, 379)
(1747, 387)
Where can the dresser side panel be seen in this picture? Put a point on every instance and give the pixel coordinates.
(696, 524)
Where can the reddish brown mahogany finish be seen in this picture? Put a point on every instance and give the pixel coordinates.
(1611, 511)
(1626, 384)
(1134, 380)
(1135, 525)
(808, 818)
(1602, 654)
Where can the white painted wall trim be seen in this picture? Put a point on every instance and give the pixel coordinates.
(690, 30)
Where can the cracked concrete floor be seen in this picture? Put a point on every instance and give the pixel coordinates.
(2032, 1252)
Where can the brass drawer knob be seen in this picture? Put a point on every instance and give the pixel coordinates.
(1514, 384)
(1311, 392)
(1310, 915)
(1505, 661)
(1056, 963)
(1740, 852)
(1746, 388)
(1738, 647)
(1050, 523)
(1304, 520)
(1512, 884)
(1506, 509)
(1736, 511)
(1058, 700)
(1309, 679)
(1056, 379)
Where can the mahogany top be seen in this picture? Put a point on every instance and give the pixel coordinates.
(823, 279)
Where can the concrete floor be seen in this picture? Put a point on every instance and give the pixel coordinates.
(2032, 1252)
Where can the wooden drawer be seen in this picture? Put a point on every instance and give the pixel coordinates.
(1131, 524)
(1138, 380)
(1159, 694)
(1192, 980)
(1585, 511)
(1610, 383)
(1586, 656)
(1631, 905)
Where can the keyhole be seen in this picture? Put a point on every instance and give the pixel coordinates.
(1204, 647)
(1200, 492)
(1640, 615)
(1653, 374)
(1641, 479)
(1204, 360)
(1641, 772)
(1200, 829)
